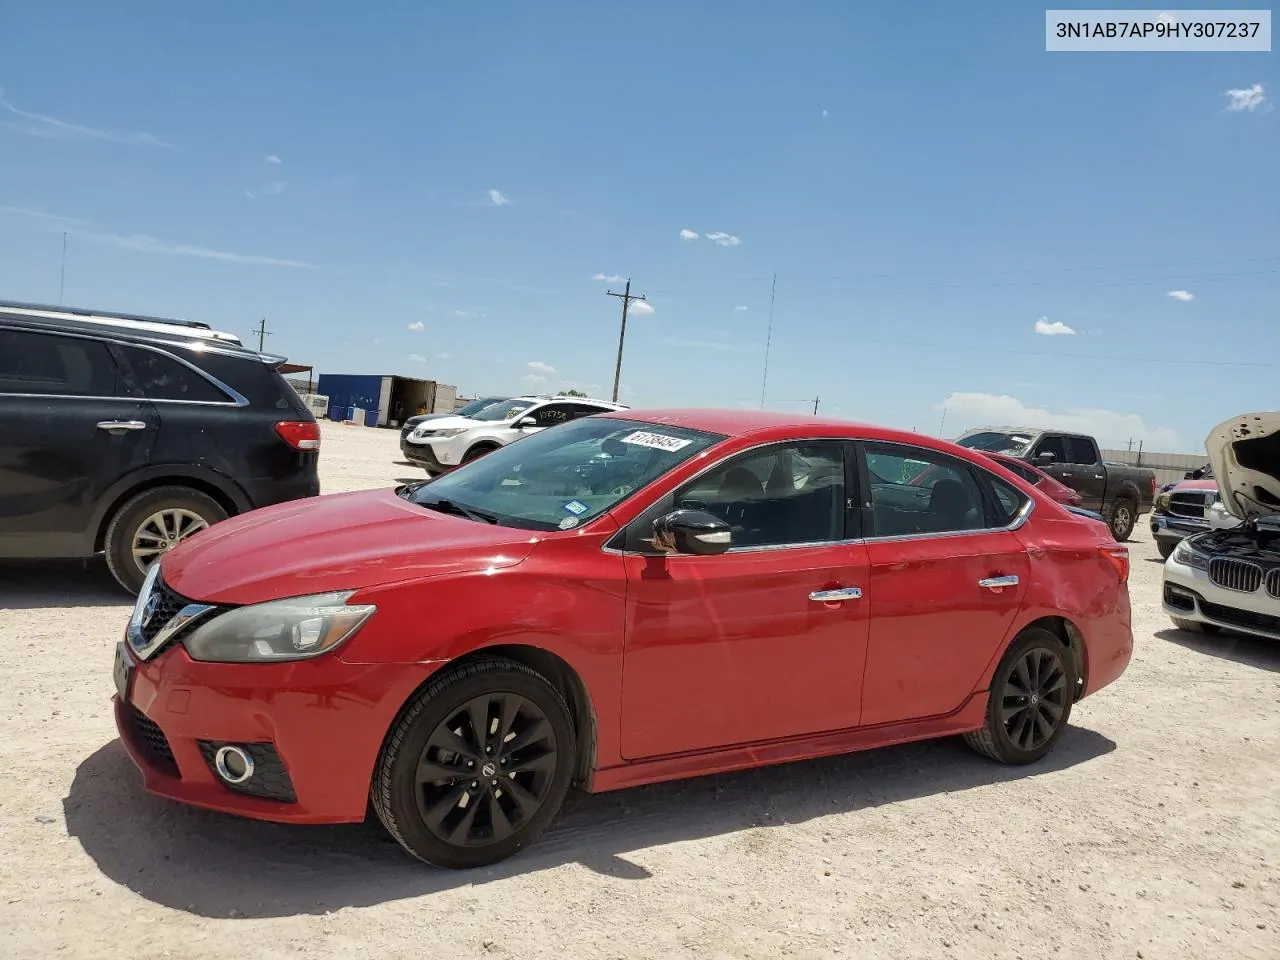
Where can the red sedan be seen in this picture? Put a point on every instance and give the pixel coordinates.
(615, 601)
(1054, 488)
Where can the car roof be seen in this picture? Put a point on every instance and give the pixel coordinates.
(744, 423)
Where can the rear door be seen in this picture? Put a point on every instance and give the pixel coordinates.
(70, 430)
(947, 578)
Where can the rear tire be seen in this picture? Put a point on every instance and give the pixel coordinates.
(148, 525)
(490, 719)
(1029, 702)
(1122, 519)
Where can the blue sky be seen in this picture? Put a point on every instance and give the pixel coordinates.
(925, 180)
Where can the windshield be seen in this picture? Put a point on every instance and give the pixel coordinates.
(993, 441)
(506, 410)
(563, 477)
(475, 406)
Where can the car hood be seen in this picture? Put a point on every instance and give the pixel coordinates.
(1245, 453)
(452, 421)
(344, 541)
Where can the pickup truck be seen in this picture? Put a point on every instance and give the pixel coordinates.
(1120, 493)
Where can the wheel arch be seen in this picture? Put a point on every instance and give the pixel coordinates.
(557, 671)
(223, 491)
(488, 444)
(1062, 628)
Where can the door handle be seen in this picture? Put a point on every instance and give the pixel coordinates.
(1066, 476)
(1099, 476)
(836, 595)
(998, 583)
(114, 425)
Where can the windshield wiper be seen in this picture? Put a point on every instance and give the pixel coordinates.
(457, 509)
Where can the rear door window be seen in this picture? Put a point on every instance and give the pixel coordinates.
(49, 364)
(160, 377)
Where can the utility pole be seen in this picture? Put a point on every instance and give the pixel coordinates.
(815, 405)
(626, 296)
(262, 334)
(768, 341)
(62, 279)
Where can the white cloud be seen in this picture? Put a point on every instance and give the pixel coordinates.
(1183, 295)
(498, 198)
(724, 239)
(272, 158)
(141, 243)
(1053, 329)
(417, 359)
(641, 308)
(539, 367)
(688, 234)
(42, 125)
(1249, 99)
(270, 190)
(417, 325)
(740, 309)
(442, 356)
(610, 278)
(1112, 429)
(533, 379)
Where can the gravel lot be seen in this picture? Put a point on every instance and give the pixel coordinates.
(1151, 831)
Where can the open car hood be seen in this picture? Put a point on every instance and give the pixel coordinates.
(1245, 453)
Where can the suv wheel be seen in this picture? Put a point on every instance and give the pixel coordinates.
(148, 525)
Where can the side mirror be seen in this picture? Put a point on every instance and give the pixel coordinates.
(694, 532)
(1044, 458)
(525, 422)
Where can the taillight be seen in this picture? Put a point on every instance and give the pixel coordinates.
(300, 434)
(1153, 485)
(1118, 557)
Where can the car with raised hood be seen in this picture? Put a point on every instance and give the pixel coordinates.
(466, 410)
(1119, 492)
(123, 434)
(628, 598)
(439, 446)
(1230, 578)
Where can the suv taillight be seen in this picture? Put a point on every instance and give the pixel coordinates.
(300, 434)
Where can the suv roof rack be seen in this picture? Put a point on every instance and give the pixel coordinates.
(138, 320)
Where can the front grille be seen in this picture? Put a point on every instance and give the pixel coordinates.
(1239, 575)
(167, 605)
(1189, 504)
(1273, 583)
(270, 779)
(1247, 619)
(1178, 600)
(150, 740)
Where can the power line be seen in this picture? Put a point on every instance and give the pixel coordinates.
(626, 296)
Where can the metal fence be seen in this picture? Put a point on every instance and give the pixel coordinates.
(1168, 467)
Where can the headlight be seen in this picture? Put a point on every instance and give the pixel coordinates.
(295, 629)
(1186, 553)
(439, 434)
(1162, 502)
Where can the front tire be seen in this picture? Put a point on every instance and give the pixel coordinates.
(1195, 626)
(1029, 702)
(148, 525)
(477, 765)
(475, 453)
(1166, 548)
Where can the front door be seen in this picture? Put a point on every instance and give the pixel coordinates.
(66, 438)
(938, 551)
(754, 644)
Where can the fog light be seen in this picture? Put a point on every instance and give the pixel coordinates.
(232, 764)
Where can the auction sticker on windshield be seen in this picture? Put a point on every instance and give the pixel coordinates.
(657, 441)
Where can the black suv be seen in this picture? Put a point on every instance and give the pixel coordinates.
(123, 434)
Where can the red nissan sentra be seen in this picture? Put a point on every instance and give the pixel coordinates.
(614, 601)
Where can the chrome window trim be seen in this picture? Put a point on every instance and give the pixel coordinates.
(234, 397)
(1019, 520)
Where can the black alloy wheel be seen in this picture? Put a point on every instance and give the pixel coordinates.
(477, 766)
(1030, 700)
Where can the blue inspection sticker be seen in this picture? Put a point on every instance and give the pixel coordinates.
(576, 507)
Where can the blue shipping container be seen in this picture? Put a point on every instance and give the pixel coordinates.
(346, 390)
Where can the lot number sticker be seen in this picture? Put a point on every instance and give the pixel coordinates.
(656, 441)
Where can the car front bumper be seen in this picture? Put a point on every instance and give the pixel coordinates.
(1169, 528)
(1189, 594)
(313, 727)
(435, 457)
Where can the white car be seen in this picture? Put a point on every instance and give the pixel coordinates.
(440, 445)
(1229, 577)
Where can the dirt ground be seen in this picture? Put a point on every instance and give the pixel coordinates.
(1153, 831)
